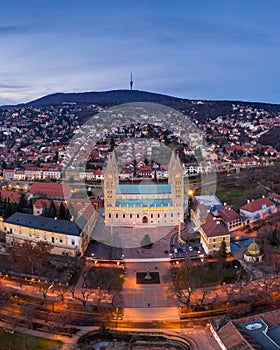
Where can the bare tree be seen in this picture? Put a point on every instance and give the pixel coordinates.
(85, 296)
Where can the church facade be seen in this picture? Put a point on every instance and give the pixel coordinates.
(144, 204)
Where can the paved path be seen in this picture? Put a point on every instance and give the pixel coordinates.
(151, 314)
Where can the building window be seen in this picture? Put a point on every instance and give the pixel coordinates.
(73, 242)
(60, 240)
(123, 216)
(137, 216)
(20, 232)
(11, 230)
(152, 215)
(117, 215)
(37, 236)
(130, 216)
(52, 239)
(109, 216)
(45, 237)
(214, 239)
(30, 234)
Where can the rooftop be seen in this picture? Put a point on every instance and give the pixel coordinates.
(44, 224)
(258, 204)
(144, 189)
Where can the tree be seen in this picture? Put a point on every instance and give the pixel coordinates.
(105, 278)
(85, 295)
(10, 209)
(62, 212)
(222, 252)
(30, 256)
(52, 210)
(22, 203)
(184, 280)
(146, 242)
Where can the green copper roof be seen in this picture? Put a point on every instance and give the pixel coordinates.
(144, 189)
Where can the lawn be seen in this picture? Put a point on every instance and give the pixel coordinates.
(19, 341)
(231, 195)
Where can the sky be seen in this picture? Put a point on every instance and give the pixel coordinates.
(192, 49)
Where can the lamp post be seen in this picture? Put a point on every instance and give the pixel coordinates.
(117, 311)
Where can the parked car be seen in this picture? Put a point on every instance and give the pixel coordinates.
(190, 249)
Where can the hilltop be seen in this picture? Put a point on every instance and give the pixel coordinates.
(201, 109)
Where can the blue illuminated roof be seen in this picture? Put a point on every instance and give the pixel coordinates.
(144, 189)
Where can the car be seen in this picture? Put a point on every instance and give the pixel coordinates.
(184, 249)
(175, 250)
(196, 248)
(190, 249)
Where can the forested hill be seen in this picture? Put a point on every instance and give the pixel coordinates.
(201, 109)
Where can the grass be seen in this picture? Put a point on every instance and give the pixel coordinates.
(19, 341)
(140, 278)
(231, 195)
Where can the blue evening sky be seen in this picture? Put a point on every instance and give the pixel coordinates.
(211, 49)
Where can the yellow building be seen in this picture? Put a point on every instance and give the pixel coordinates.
(212, 233)
(66, 237)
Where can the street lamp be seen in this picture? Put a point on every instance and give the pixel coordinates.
(117, 311)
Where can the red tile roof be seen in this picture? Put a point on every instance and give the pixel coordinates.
(13, 196)
(42, 203)
(256, 205)
(228, 214)
(51, 189)
(275, 195)
(213, 228)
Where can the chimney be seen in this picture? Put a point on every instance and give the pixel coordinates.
(248, 201)
(263, 196)
(225, 204)
(218, 222)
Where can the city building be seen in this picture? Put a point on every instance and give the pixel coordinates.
(66, 237)
(230, 218)
(212, 233)
(257, 209)
(50, 190)
(146, 204)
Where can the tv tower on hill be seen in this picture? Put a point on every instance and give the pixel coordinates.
(131, 82)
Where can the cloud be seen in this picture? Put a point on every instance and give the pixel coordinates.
(20, 29)
(13, 86)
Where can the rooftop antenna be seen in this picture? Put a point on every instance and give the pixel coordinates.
(131, 81)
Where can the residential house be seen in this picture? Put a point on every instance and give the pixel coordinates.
(257, 209)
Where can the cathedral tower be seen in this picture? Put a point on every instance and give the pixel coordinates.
(176, 179)
(111, 180)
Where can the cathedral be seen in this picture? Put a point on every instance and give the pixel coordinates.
(145, 204)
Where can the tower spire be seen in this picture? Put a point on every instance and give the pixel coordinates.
(131, 81)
